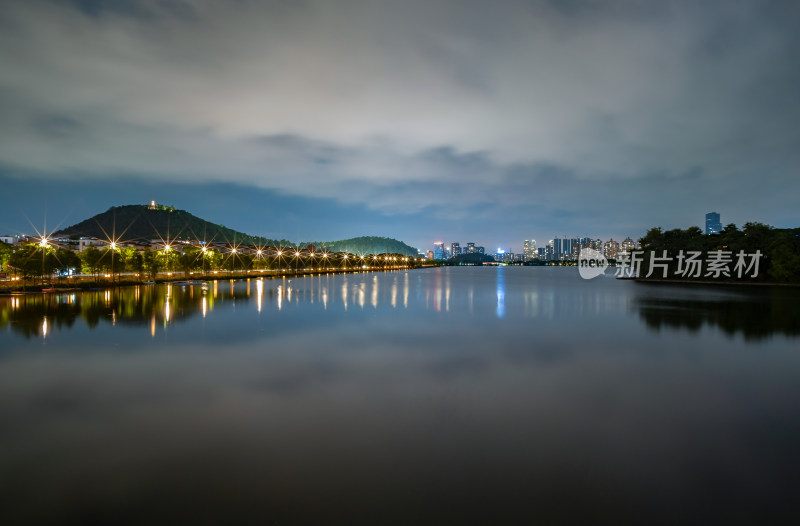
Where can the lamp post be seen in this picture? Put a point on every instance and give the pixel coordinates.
(43, 244)
(113, 246)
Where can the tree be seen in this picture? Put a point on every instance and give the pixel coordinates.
(91, 258)
(22, 260)
(66, 260)
(5, 254)
(189, 259)
(151, 263)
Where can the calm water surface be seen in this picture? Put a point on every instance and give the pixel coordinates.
(438, 396)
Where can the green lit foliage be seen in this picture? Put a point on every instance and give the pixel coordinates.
(5, 255)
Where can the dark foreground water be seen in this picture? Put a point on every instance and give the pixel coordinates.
(440, 396)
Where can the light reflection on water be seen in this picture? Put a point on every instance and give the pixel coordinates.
(454, 395)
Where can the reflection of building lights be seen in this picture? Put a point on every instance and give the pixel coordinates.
(205, 306)
(44, 327)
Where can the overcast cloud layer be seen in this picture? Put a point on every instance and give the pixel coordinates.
(612, 116)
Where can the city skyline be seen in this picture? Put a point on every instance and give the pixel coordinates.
(412, 120)
(33, 230)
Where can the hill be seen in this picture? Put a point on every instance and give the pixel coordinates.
(366, 245)
(141, 222)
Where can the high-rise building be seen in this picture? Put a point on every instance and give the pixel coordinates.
(438, 250)
(713, 224)
(566, 247)
(541, 253)
(480, 250)
(455, 249)
(558, 248)
(611, 249)
(627, 246)
(470, 248)
(529, 249)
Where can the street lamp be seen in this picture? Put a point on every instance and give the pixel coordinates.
(43, 244)
(113, 247)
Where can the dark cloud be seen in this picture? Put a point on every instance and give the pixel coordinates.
(525, 108)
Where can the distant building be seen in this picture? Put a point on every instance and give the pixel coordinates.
(86, 242)
(566, 248)
(529, 249)
(558, 247)
(10, 240)
(455, 249)
(429, 254)
(503, 256)
(611, 249)
(438, 250)
(470, 248)
(713, 224)
(627, 246)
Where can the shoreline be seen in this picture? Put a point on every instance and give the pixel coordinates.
(707, 282)
(85, 286)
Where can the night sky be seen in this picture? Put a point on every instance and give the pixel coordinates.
(490, 122)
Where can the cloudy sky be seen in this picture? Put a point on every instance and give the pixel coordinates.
(479, 121)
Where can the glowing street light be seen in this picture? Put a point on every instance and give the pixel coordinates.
(43, 244)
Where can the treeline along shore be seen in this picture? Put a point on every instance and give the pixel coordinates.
(755, 254)
(140, 243)
(44, 266)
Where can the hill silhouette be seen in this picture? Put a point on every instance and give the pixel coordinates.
(144, 223)
(366, 245)
(141, 222)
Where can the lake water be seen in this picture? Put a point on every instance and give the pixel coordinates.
(477, 395)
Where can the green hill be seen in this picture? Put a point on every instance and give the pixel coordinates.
(366, 245)
(140, 222)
